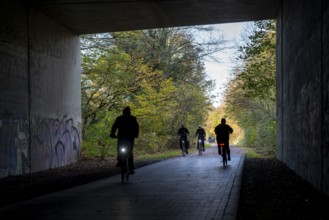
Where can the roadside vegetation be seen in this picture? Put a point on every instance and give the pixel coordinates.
(159, 73)
(250, 99)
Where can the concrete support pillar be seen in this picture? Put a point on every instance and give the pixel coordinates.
(40, 101)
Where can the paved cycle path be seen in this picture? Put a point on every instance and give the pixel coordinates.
(186, 188)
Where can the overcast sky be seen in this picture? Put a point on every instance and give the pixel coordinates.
(220, 71)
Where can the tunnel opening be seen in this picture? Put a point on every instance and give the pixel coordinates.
(40, 46)
(177, 76)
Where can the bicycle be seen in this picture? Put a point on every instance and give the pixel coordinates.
(200, 145)
(223, 147)
(184, 147)
(123, 164)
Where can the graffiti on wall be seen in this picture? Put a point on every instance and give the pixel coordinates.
(54, 143)
(14, 148)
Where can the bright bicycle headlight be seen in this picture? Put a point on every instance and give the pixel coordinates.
(123, 149)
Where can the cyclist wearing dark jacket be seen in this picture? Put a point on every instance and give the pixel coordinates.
(201, 134)
(183, 133)
(223, 132)
(128, 130)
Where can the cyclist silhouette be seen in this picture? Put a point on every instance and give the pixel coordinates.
(183, 133)
(128, 130)
(201, 134)
(223, 132)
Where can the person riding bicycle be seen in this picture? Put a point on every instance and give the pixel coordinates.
(128, 130)
(201, 134)
(183, 133)
(223, 132)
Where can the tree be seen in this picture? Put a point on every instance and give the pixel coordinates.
(158, 73)
(250, 97)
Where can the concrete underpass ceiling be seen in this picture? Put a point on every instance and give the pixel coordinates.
(98, 16)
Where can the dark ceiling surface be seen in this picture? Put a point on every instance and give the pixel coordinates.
(99, 16)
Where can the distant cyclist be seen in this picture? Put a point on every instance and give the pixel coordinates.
(223, 132)
(201, 134)
(183, 133)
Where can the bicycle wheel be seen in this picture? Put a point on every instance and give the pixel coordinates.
(183, 148)
(200, 146)
(123, 174)
(224, 155)
(127, 175)
(124, 171)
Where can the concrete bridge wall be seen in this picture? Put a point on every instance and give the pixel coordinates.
(40, 104)
(303, 89)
